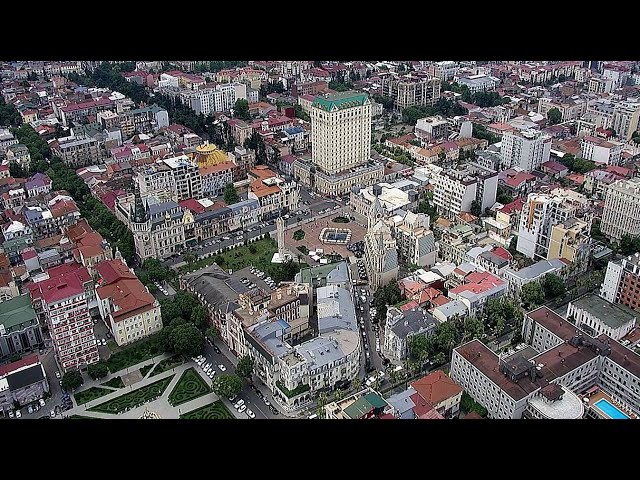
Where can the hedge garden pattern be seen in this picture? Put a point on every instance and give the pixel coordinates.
(90, 394)
(213, 411)
(190, 386)
(135, 398)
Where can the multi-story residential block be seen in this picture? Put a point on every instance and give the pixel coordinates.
(539, 215)
(455, 191)
(411, 90)
(17, 236)
(599, 85)
(527, 149)
(600, 150)
(621, 282)
(65, 304)
(393, 197)
(22, 383)
(143, 120)
(300, 89)
(76, 112)
(38, 184)
(571, 240)
(245, 161)
(176, 178)
(215, 178)
(621, 207)
(626, 117)
(77, 152)
(477, 288)
(415, 241)
(18, 154)
(380, 249)
(292, 303)
(219, 98)
(6, 140)
(430, 129)
(400, 327)
(597, 181)
(517, 279)
(445, 71)
(570, 109)
(479, 82)
(275, 195)
(125, 304)
(20, 330)
(596, 315)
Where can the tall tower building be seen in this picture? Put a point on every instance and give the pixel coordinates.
(621, 207)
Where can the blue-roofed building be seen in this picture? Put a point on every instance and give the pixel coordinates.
(296, 137)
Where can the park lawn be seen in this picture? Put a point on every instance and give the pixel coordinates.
(189, 387)
(214, 411)
(90, 394)
(240, 257)
(135, 353)
(115, 382)
(144, 370)
(167, 364)
(135, 398)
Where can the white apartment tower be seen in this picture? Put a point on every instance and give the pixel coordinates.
(341, 131)
(527, 149)
(621, 213)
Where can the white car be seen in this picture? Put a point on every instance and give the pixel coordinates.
(250, 414)
(53, 414)
(239, 403)
(18, 413)
(242, 408)
(222, 368)
(41, 402)
(104, 342)
(211, 374)
(58, 375)
(207, 366)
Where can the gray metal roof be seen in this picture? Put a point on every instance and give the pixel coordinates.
(539, 269)
(402, 402)
(451, 308)
(613, 315)
(413, 322)
(339, 274)
(320, 351)
(335, 309)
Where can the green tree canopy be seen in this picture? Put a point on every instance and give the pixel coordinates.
(629, 245)
(244, 368)
(532, 295)
(227, 385)
(98, 370)
(241, 109)
(553, 286)
(71, 380)
(230, 194)
(187, 340)
(554, 115)
(212, 333)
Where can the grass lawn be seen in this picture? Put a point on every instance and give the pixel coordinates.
(90, 394)
(135, 353)
(190, 386)
(83, 417)
(135, 398)
(167, 364)
(214, 411)
(144, 370)
(241, 257)
(340, 220)
(115, 382)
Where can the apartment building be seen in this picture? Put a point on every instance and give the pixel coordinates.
(600, 150)
(596, 316)
(444, 71)
(516, 279)
(410, 90)
(455, 190)
(77, 112)
(292, 303)
(571, 240)
(415, 241)
(64, 299)
(570, 109)
(476, 289)
(215, 178)
(125, 304)
(22, 382)
(219, 98)
(143, 120)
(176, 179)
(400, 327)
(621, 207)
(6, 140)
(479, 83)
(275, 195)
(20, 331)
(77, 152)
(621, 282)
(527, 149)
(18, 154)
(431, 129)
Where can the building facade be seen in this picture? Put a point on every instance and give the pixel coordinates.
(621, 206)
(526, 150)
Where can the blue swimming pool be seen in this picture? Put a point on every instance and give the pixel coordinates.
(610, 410)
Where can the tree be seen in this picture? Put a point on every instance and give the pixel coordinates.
(212, 333)
(629, 245)
(473, 327)
(98, 370)
(476, 208)
(187, 340)
(419, 348)
(356, 383)
(71, 380)
(532, 295)
(230, 194)
(553, 286)
(504, 198)
(227, 385)
(241, 109)
(244, 368)
(189, 258)
(554, 115)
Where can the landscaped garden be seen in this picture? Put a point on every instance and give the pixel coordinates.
(301, 388)
(214, 411)
(167, 364)
(190, 386)
(340, 220)
(298, 235)
(136, 353)
(144, 370)
(115, 382)
(90, 394)
(258, 253)
(135, 398)
(303, 249)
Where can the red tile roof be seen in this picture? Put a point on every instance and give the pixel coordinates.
(502, 253)
(515, 206)
(129, 295)
(193, 205)
(110, 271)
(436, 387)
(10, 367)
(61, 287)
(409, 306)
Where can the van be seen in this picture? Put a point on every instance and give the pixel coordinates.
(312, 417)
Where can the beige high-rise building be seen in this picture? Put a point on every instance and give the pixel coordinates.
(341, 131)
(621, 214)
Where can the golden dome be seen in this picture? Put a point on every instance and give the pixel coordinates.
(208, 155)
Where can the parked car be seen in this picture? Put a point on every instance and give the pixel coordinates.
(216, 349)
(250, 414)
(222, 368)
(242, 408)
(41, 401)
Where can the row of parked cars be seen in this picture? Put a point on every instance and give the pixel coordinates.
(260, 274)
(208, 368)
(161, 288)
(362, 271)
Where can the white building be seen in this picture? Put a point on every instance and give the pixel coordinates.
(275, 195)
(455, 191)
(479, 83)
(430, 129)
(415, 241)
(380, 249)
(220, 98)
(611, 282)
(517, 279)
(600, 150)
(215, 178)
(341, 131)
(539, 215)
(176, 178)
(596, 316)
(621, 207)
(527, 149)
(391, 198)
